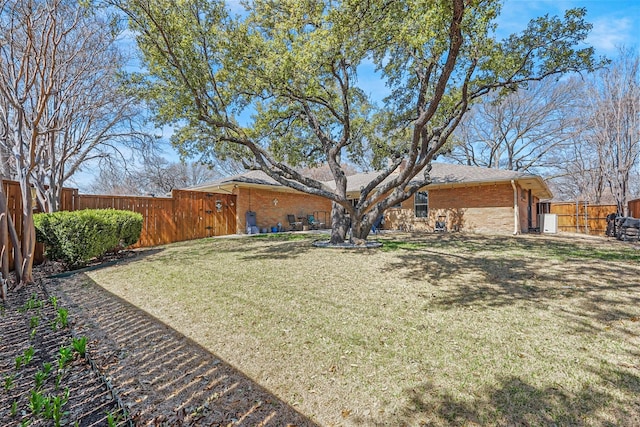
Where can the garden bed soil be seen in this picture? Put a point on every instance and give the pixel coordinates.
(90, 401)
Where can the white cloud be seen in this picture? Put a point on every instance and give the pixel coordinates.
(609, 34)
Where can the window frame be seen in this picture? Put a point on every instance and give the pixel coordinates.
(423, 204)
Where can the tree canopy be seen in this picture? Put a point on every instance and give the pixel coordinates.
(279, 86)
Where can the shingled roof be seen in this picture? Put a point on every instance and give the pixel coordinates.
(442, 175)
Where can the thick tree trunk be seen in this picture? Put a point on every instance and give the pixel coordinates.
(339, 224)
(28, 235)
(360, 229)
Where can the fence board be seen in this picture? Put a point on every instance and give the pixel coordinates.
(634, 208)
(582, 218)
(187, 215)
(14, 206)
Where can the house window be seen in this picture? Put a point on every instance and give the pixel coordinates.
(421, 204)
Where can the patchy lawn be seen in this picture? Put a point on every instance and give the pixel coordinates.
(436, 329)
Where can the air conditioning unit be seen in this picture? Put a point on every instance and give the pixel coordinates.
(548, 223)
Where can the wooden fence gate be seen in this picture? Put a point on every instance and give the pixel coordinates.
(187, 215)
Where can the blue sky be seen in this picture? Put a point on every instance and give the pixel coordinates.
(615, 23)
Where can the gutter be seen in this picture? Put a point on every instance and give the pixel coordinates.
(516, 213)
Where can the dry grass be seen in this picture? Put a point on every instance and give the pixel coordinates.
(432, 329)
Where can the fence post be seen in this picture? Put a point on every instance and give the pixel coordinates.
(586, 217)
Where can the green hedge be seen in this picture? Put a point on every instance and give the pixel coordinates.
(78, 236)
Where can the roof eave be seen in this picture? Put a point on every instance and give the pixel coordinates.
(529, 182)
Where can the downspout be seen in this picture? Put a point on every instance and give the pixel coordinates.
(516, 214)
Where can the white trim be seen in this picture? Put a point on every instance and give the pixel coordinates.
(516, 210)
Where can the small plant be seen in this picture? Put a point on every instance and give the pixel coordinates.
(46, 368)
(28, 355)
(33, 324)
(14, 408)
(40, 377)
(58, 380)
(8, 382)
(25, 358)
(36, 402)
(54, 301)
(61, 319)
(53, 407)
(80, 345)
(113, 419)
(32, 303)
(65, 355)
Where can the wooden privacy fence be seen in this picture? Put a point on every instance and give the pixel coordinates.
(634, 208)
(14, 208)
(581, 217)
(187, 215)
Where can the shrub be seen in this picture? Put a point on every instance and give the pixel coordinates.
(128, 225)
(76, 237)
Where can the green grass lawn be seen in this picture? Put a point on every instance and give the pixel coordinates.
(434, 329)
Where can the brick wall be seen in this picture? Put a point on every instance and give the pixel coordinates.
(481, 208)
(272, 207)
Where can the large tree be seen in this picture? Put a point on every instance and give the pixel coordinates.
(604, 158)
(279, 86)
(614, 124)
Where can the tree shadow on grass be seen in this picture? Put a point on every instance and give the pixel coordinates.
(162, 376)
(481, 271)
(514, 402)
(279, 247)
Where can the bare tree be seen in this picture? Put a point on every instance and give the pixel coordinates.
(159, 176)
(614, 132)
(579, 174)
(30, 38)
(60, 103)
(91, 114)
(603, 160)
(524, 131)
(154, 176)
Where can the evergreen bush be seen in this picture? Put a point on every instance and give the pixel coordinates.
(76, 237)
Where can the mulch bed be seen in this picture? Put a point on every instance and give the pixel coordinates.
(142, 368)
(90, 401)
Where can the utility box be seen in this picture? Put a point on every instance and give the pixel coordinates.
(548, 223)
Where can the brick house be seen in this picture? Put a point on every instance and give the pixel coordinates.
(467, 198)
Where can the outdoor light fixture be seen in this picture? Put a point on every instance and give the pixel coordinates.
(219, 205)
(275, 202)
